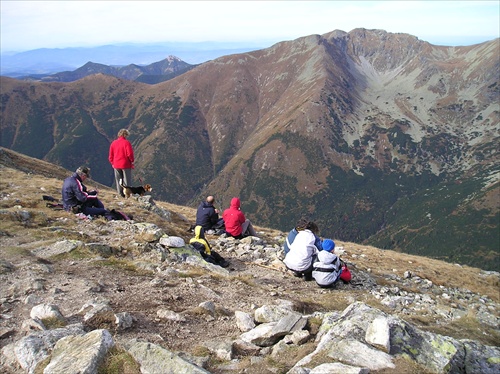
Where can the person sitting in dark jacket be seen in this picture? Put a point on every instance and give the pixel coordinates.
(77, 199)
(207, 216)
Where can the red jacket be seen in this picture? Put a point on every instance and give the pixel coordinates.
(121, 154)
(234, 217)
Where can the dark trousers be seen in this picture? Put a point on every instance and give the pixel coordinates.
(93, 207)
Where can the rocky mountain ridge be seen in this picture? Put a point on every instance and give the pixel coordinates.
(156, 72)
(80, 293)
(399, 136)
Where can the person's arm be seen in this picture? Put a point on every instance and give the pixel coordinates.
(111, 154)
(130, 152)
(242, 217)
(80, 191)
(214, 217)
(318, 243)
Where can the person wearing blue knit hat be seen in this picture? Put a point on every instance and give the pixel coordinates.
(327, 268)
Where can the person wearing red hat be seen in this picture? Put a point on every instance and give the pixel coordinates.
(237, 225)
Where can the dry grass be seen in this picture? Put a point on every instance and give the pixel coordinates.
(119, 361)
(21, 190)
(383, 262)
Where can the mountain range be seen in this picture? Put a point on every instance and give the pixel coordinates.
(381, 138)
(153, 73)
(46, 61)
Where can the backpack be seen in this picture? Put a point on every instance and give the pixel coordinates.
(114, 215)
(346, 275)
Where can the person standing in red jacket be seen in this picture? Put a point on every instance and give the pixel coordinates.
(236, 224)
(121, 158)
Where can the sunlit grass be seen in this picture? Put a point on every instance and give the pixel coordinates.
(119, 361)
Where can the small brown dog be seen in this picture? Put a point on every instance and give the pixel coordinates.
(141, 190)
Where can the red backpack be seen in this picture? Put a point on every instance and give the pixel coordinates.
(346, 275)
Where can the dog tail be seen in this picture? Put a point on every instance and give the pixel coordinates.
(121, 183)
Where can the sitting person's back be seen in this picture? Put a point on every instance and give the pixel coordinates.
(302, 254)
(302, 224)
(207, 215)
(328, 267)
(237, 225)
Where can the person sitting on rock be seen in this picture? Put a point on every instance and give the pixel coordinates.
(207, 216)
(237, 225)
(77, 199)
(328, 267)
(303, 224)
(200, 243)
(302, 254)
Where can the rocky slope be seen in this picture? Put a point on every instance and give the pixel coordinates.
(79, 294)
(398, 136)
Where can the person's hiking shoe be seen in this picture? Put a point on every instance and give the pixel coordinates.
(210, 232)
(224, 264)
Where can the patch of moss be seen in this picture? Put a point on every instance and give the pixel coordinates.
(53, 323)
(119, 361)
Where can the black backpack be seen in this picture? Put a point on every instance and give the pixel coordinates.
(114, 215)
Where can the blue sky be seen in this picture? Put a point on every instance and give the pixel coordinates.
(29, 25)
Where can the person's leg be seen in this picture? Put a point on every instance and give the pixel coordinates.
(94, 211)
(93, 203)
(118, 176)
(127, 177)
(219, 260)
(308, 272)
(247, 228)
(94, 207)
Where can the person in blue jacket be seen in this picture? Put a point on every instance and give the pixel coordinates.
(303, 224)
(77, 199)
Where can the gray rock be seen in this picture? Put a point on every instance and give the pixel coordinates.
(378, 334)
(356, 353)
(480, 358)
(244, 321)
(170, 315)
(209, 306)
(124, 320)
(61, 247)
(243, 348)
(272, 313)
(46, 311)
(338, 368)
(100, 249)
(6, 267)
(36, 347)
(154, 359)
(80, 353)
